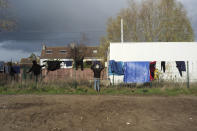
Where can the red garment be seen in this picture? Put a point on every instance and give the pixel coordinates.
(152, 70)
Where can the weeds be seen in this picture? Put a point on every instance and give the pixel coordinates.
(86, 88)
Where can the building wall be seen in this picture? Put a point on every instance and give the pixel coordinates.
(153, 51)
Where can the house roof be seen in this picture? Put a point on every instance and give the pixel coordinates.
(92, 52)
(55, 53)
(26, 61)
(63, 52)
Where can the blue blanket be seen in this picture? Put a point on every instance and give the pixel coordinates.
(137, 72)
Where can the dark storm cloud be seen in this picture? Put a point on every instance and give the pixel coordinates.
(65, 15)
(59, 22)
(31, 42)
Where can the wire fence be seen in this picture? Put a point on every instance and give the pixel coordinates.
(86, 78)
(170, 78)
(58, 77)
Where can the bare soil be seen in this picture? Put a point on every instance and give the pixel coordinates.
(97, 113)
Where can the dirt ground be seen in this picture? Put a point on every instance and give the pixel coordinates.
(97, 113)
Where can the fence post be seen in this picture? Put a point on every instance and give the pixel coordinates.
(75, 78)
(113, 79)
(188, 84)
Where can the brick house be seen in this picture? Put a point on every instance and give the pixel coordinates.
(62, 54)
(27, 62)
(67, 73)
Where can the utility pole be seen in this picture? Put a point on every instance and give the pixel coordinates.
(188, 84)
(75, 50)
(122, 31)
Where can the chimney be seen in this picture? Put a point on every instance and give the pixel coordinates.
(72, 45)
(43, 47)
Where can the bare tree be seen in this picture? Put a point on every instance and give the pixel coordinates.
(77, 52)
(6, 24)
(84, 40)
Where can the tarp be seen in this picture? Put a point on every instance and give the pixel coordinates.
(136, 72)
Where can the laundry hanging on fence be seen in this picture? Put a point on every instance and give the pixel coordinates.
(152, 70)
(136, 72)
(163, 66)
(12, 70)
(53, 65)
(156, 74)
(16, 69)
(7, 69)
(181, 67)
(116, 68)
(1, 66)
(79, 63)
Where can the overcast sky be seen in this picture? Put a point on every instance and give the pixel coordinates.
(59, 22)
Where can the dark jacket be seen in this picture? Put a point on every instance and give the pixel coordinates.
(97, 71)
(36, 69)
(12, 71)
(53, 65)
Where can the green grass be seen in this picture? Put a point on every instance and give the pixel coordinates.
(87, 89)
(150, 91)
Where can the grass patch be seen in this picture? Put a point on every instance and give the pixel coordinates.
(85, 88)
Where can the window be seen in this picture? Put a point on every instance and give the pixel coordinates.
(62, 51)
(95, 51)
(49, 52)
